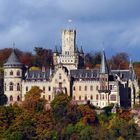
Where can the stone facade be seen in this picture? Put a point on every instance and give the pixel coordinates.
(100, 87)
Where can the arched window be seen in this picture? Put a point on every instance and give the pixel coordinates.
(18, 87)
(44, 89)
(11, 98)
(18, 73)
(85, 88)
(97, 97)
(79, 88)
(18, 98)
(91, 97)
(11, 86)
(26, 88)
(11, 72)
(49, 88)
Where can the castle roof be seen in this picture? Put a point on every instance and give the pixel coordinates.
(13, 61)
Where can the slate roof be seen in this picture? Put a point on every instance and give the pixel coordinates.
(13, 60)
(85, 74)
(38, 75)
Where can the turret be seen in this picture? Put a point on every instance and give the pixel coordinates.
(12, 78)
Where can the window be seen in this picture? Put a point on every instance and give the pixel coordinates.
(96, 87)
(74, 88)
(97, 97)
(11, 86)
(85, 88)
(103, 97)
(79, 97)
(18, 73)
(79, 88)
(11, 72)
(113, 97)
(110, 87)
(85, 97)
(91, 88)
(91, 97)
(18, 98)
(60, 77)
(49, 88)
(43, 89)
(26, 88)
(49, 98)
(11, 98)
(18, 87)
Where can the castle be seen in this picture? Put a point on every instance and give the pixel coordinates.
(100, 87)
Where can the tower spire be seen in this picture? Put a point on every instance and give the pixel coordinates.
(104, 66)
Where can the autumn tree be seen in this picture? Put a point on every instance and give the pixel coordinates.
(33, 100)
(119, 61)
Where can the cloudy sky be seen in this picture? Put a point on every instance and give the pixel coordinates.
(113, 25)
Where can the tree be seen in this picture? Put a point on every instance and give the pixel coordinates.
(33, 100)
(119, 61)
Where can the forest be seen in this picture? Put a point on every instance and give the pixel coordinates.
(34, 119)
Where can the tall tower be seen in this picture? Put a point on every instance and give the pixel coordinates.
(104, 72)
(13, 78)
(68, 42)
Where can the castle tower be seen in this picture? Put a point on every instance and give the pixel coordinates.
(13, 78)
(68, 42)
(104, 72)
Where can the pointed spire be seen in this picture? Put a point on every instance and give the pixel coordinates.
(77, 50)
(13, 60)
(104, 66)
(81, 51)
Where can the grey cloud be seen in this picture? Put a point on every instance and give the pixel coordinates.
(34, 22)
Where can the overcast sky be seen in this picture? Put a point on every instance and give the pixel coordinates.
(113, 25)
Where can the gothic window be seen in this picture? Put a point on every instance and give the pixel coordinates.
(91, 88)
(79, 88)
(18, 87)
(79, 97)
(85, 97)
(11, 98)
(11, 86)
(18, 73)
(11, 72)
(103, 97)
(91, 97)
(18, 98)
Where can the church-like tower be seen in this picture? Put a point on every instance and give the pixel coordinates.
(13, 78)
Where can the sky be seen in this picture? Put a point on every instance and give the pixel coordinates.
(112, 25)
